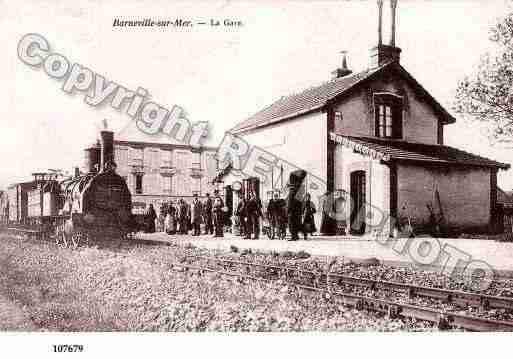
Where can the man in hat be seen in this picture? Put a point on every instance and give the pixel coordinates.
(218, 214)
(294, 212)
(240, 212)
(254, 213)
(196, 213)
(272, 213)
(207, 209)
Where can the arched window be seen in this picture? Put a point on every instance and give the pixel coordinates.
(388, 109)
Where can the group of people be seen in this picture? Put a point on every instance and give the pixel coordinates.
(248, 213)
(298, 214)
(301, 217)
(180, 217)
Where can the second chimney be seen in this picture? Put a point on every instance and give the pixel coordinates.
(107, 148)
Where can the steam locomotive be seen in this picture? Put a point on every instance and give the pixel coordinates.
(75, 210)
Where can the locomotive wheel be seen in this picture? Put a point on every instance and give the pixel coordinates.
(75, 239)
(64, 239)
(59, 234)
(79, 238)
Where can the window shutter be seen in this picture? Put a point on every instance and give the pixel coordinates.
(376, 120)
(397, 121)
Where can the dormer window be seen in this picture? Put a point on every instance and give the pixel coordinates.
(389, 115)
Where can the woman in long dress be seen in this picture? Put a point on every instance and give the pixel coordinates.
(151, 215)
(170, 221)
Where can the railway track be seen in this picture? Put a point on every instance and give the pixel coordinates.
(457, 297)
(323, 283)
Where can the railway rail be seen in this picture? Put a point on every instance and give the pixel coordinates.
(458, 297)
(322, 284)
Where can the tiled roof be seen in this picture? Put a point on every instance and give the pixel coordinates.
(315, 98)
(402, 150)
(308, 100)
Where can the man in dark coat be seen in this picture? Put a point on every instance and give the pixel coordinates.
(240, 212)
(294, 204)
(294, 212)
(150, 217)
(162, 215)
(273, 214)
(207, 215)
(218, 214)
(196, 214)
(254, 213)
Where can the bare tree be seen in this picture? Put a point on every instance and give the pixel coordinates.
(487, 94)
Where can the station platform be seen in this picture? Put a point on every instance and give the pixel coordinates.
(361, 249)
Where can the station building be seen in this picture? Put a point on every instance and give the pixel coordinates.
(376, 138)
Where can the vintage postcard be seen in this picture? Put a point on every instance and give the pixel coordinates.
(272, 174)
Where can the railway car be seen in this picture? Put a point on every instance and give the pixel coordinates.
(4, 209)
(17, 195)
(87, 206)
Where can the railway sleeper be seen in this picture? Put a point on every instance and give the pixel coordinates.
(392, 310)
(412, 293)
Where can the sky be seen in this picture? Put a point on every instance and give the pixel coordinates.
(224, 74)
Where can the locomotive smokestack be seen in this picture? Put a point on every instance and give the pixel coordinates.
(107, 147)
(77, 172)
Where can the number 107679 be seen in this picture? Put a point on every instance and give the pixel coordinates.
(68, 348)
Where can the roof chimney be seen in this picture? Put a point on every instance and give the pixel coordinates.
(380, 22)
(383, 54)
(342, 71)
(393, 7)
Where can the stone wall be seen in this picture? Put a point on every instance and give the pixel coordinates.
(420, 123)
(464, 195)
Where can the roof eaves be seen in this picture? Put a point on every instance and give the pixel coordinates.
(484, 162)
(462, 162)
